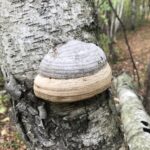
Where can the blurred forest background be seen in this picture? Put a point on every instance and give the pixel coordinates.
(125, 37)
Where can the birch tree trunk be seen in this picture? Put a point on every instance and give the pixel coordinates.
(29, 29)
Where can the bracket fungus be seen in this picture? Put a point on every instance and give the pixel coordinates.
(72, 72)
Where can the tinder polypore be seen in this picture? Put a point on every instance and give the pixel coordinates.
(72, 72)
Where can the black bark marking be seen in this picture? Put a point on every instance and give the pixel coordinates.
(146, 130)
(144, 123)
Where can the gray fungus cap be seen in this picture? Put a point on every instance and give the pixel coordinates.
(72, 60)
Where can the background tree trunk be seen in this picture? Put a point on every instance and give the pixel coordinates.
(147, 94)
(133, 14)
(28, 30)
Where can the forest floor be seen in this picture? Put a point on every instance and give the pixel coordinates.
(140, 44)
(139, 41)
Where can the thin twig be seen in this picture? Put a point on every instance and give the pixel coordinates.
(127, 42)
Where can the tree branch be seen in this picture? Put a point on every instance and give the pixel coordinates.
(135, 121)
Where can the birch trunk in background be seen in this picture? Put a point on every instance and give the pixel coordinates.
(29, 29)
(113, 28)
(135, 121)
(119, 12)
(133, 14)
(118, 5)
(144, 7)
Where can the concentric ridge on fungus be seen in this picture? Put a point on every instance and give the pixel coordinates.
(72, 60)
(72, 72)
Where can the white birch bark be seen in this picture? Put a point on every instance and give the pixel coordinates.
(135, 121)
